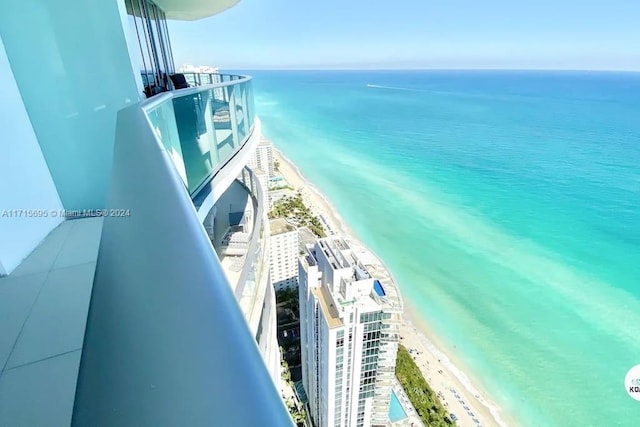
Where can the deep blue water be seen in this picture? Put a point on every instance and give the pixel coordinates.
(507, 205)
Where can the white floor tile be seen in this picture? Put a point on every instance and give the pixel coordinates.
(40, 394)
(82, 244)
(17, 296)
(44, 256)
(57, 321)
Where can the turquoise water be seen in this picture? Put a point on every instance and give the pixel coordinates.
(506, 204)
(396, 413)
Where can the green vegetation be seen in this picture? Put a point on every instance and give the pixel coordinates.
(289, 318)
(281, 187)
(423, 398)
(294, 209)
(288, 299)
(296, 410)
(298, 413)
(286, 373)
(276, 165)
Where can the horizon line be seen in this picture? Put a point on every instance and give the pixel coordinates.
(606, 70)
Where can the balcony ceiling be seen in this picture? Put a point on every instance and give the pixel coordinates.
(190, 10)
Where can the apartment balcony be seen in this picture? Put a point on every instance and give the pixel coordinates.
(238, 232)
(166, 341)
(188, 10)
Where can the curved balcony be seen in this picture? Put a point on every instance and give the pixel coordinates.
(189, 10)
(243, 247)
(242, 244)
(166, 341)
(251, 286)
(203, 127)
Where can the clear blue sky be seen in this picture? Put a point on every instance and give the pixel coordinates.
(550, 34)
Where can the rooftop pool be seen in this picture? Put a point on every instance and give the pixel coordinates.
(396, 413)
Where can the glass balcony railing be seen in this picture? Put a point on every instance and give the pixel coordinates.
(204, 126)
(253, 275)
(199, 79)
(166, 341)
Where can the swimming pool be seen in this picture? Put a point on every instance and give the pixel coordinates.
(396, 413)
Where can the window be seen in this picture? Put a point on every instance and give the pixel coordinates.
(149, 24)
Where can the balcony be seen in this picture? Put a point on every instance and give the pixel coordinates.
(237, 231)
(203, 127)
(166, 341)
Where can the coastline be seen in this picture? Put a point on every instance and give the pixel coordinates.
(435, 361)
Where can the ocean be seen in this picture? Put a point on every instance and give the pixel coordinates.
(507, 206)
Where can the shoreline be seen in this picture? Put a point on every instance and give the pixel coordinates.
(429, 351)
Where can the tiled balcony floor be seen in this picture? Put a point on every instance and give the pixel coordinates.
(43, 312)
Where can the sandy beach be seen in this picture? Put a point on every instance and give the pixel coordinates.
(457, 392)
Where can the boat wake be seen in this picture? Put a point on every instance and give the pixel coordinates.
(393, 88)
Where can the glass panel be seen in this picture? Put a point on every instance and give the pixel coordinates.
(155, 22)
(191, 78)
(232, 93)
(250, 105)
(255, 262)
(167, 43)
(195, 127)
(205, 129)
(222, 123)
(241, 111)
(155, 58)
(163, 123)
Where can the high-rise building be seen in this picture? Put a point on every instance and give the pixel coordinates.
(283, 256)
(134, 241)
(263, 158)
(350, 312)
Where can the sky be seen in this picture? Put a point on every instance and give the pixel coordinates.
(404, 34)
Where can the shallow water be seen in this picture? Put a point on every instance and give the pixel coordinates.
(506, 204)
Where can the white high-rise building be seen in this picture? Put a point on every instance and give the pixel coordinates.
(263, 158)
(350, 312)
(283, 257)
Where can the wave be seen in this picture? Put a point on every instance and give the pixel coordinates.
(597, 302)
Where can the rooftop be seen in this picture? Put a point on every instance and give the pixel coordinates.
(369, 284)
(280, 226)
(305, 237)
(330, 311)
(258, 171)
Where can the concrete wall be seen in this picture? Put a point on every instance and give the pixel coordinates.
(73, 70)
(25, 181)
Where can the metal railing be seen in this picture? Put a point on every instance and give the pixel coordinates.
(166, 342)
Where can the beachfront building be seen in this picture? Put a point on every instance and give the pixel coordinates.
(198, 69)
(350, 312)
(283, 256)
(263, 158)
(134, 242)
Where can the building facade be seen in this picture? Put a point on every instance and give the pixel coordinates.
(283, 257)
(350, 313)
(263, 158)
(95, 121)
